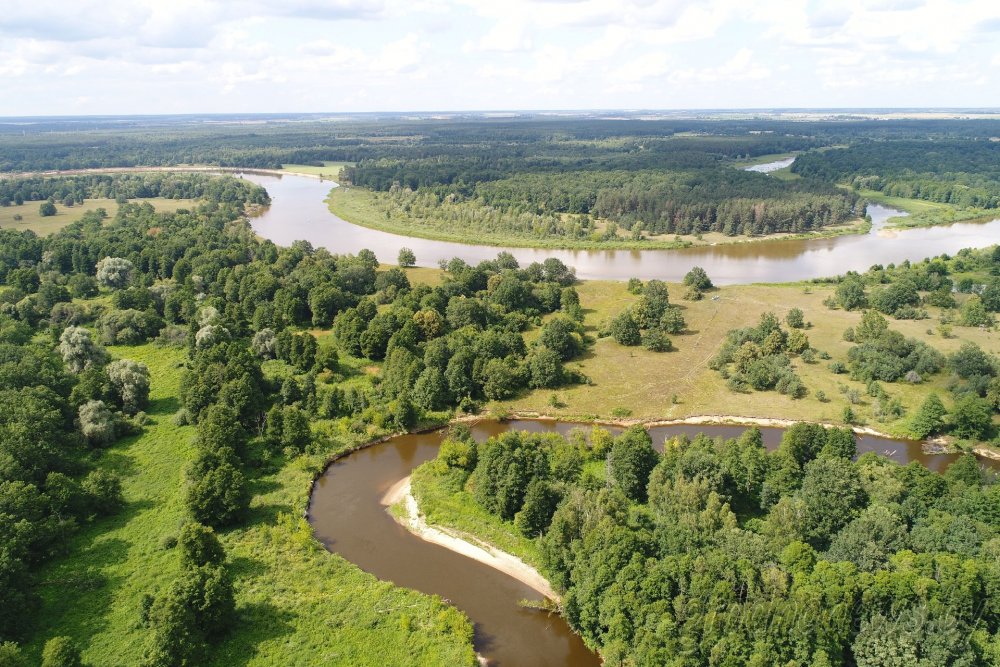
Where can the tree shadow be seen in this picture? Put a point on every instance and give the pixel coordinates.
(258, 622)
(164, 406)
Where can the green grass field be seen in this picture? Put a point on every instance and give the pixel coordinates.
(297, 604)
(644, 383)
(31, 219)
(330, 170)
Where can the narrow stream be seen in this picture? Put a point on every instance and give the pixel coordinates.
(347, 516)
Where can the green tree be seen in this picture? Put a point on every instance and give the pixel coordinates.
(540, 501)
(625, 330)
(972, 417)
(929, 419)
(61, 652)
(199, 546)
(833, 495)
(406, 258)
(698, 279)
(795, 318)
(47, 209)
(631, 460)
(850, 293)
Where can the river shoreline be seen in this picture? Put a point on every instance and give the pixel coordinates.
(400, 495)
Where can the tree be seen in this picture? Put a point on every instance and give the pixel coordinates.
(833, 495)
(47, 209)
(199, 545)
(61, 652)
(850, 293)
(546, 368)
(501, 379)
(217, 491)
(795, 318)
(114, 272)
(79, 351)
(631, 460)
(929, 419)
(672, 321)
(558, 335)
(540, 501)
(972, 417)
(974, 314)
(97, 423)
(625, 330)
(698, 279)
(870, 540)
(406, 258)
(263, 343)
(130, 383)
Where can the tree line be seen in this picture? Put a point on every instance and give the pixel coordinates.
(717, 551)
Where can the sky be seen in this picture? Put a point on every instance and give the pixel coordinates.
(69, 57)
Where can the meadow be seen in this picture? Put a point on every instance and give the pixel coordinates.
(32, 220)
(297, 603)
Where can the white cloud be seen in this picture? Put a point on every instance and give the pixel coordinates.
(217, 55)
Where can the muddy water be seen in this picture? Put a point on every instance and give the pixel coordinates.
(348, 517)
(298, 212)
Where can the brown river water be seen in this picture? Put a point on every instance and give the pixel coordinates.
(347, 516)
(298, 212)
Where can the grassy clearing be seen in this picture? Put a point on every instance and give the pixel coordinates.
(330, 170)
(444, 501)
(925, 213)
(358, 206)
(644, 383)
(31, 219)
(297, 604)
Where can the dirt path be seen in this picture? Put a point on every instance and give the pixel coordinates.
(484, 553)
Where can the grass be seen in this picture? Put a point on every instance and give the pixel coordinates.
(33, 220)
(359, 206)
(330, 170)
(297, 604)
(924, 213)
(645, 383)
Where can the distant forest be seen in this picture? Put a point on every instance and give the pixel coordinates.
(584, 179)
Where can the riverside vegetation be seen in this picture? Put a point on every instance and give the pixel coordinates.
(187, 379)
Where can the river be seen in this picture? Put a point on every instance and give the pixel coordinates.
(298, 211)
(348, 517)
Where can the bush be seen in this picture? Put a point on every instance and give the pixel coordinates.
(61, 652)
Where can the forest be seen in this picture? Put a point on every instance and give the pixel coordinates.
(238, 310)
(964, 173)
(720, 552)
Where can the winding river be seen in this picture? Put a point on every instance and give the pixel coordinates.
(346, 510)
(347, 515)
(298, 211)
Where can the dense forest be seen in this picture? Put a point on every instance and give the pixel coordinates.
(964, 173)
(719, 552)
(121, 187)
(198, 280)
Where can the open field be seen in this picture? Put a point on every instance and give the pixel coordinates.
(644, 383)
(358, 206)
(31, 219)
(329, 170)
(297, 604)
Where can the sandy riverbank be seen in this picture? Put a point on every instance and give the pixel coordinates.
(510, 565)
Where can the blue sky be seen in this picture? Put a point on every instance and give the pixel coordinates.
(62, 57)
